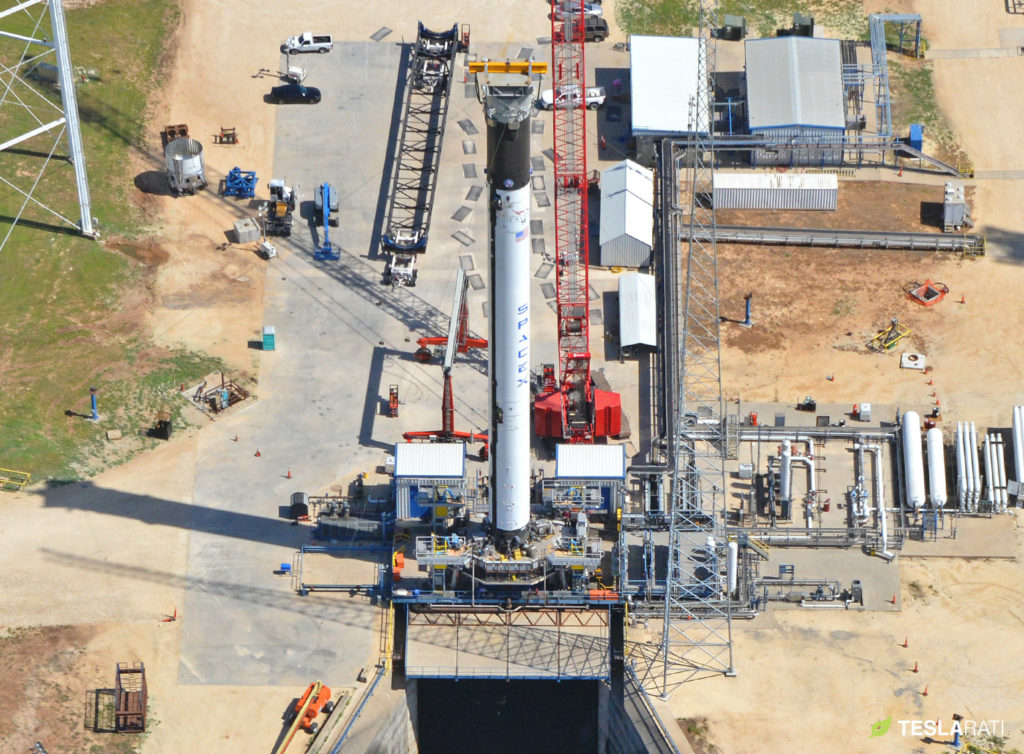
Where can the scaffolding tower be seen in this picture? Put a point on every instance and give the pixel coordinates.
(697, 626)
(43, 115)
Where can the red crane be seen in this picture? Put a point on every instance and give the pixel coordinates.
(568, 407)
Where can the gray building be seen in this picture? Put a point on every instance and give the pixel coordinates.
(795, 92)
(627, 215)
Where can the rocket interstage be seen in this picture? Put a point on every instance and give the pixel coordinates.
(508, 104)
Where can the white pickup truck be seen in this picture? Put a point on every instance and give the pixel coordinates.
(569, 97)
(307, 41)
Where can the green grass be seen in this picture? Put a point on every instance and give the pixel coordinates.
(678, 17)
(71, 309)
(913, 96)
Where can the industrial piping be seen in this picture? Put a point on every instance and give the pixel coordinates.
(880, 511)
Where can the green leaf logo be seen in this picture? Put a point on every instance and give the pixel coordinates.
(881, 727)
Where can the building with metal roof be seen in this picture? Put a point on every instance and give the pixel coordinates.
(588, 478)
(795, 91)
(662, 82)
(429, 476)
(638, 311)
(627, 215)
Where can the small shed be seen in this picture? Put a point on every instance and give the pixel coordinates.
(627, 215)
(795, 92)
(783, 191)
(588, 478)
(638, 317)
(662, 81)
(429, 475)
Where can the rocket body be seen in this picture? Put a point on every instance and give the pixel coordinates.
(508, 178)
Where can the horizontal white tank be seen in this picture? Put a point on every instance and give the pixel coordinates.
(913, 461)
(936, 467)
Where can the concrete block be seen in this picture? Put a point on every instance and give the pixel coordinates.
(246, 230)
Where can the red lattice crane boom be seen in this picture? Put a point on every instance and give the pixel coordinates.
(566, 407)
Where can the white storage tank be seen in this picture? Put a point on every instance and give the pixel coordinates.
(186, 171)
(913, 462)
(936, 467)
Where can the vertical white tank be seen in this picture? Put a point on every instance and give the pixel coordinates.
(731, 564)
(913, 462)
(1018, 444)
(936, 467)
(786, 472)
(961, 467)
(972, 450)
(1001, 493)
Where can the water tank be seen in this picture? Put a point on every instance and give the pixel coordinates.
(913, 462)
(185, 169)
(936, 467)
(731, 564)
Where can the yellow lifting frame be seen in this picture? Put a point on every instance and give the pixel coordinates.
(509, 66)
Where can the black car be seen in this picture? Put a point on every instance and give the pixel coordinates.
(289, 93)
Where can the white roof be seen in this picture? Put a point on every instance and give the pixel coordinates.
(827, 181)
(795, 81)
(430, 459)
(627, 198)
(638, 316)
(662, 80)
(590, 462)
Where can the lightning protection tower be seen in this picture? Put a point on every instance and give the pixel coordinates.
(697, 628)
(28, 112)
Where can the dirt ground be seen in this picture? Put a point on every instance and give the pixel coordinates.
(102, 590)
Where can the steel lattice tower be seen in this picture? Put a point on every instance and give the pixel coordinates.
(697, 629)
(46, 116)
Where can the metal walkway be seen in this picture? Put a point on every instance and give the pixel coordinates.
(852, 239)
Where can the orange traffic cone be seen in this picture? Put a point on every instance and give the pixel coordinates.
(962, 299)
(914, 670)
(901, 171)
(925, 692)
(931, 380)
(893, 600)
(905, 644)
(257, 452)
(289, 476)
(236, 438)
(172, 618)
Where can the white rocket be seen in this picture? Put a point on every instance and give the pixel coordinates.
(508, 102)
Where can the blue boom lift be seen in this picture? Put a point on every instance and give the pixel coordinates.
(325, 203)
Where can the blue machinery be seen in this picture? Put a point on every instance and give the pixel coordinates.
(240, 183)
(327, 202)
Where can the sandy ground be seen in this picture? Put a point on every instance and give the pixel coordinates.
(70, 560)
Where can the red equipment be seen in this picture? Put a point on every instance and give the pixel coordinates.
(571, 394)
(321, 700)
(457, 341)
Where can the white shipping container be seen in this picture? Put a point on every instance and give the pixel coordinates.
(783, 191)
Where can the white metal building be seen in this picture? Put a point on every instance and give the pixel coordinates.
(775, 191)
(638, 311)
(627, 215)
(795, 90)
(428, 475)
(588, 478)
(662, 81)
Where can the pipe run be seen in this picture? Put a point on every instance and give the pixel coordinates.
(880, 511)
